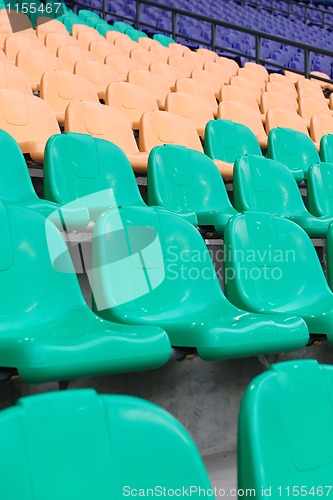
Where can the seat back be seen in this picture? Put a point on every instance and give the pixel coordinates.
(276, 412)
(15, 42)
(78, 165)
(283, 118)
(50, 26)
(53, 41)
(126, 45)
(197, 61)
(265, 259)
(13, 78)
(280, 88)
(241, 113)
(265, 185)
(101, 49)
(59, 88)
(143, 57)
(184, 180)
(250, 85)
(223, 72)
(45, 431)
(131, 100)
(153, 243)
(160, 52)
(26, 117)
(271, 100)
(161, 127)
(257, 68)
(16, 185)
(102, 122)
(182, 64)
(252, 76)
(292, 148)
(121, 64)
(320, 189)
(320, 125)
(35, 63)
(226, 140)
(314, 93)
(211, 80)
(70, 54)
(98, 74)
(228, 63)
(197, 89)
(233, 93)
(87, 36)
(169, 73)
(284, 80)
(310, 106)
(207, 54)
(194, 109)
(152, 82)
(326, 148)
(178, 48)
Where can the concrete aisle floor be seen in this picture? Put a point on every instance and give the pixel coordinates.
(222, 470)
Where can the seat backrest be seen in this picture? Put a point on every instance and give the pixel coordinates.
(228, 63)
(271, 100)
(35, 63)
(309, 107)
(59, 88)
(280, 88)
(121, 64)
(14, 43)
(284, 80)
(15, 185)
(226, 140)
(207, 54)
(78, 165)
(112, 36)
(26, 117)
(101, 121)
(252, 76)
(70, 54)
(178, 48)
(241, 113)
(211, 80)
(161, 127)
(278, 117)
(101, 49)
(265, 185)
(194, 109)
(314, 93)
(160, 52)
(257, 68)
(131, 100)
(292, 148)
(126, 45)
(224, 72)
(250, 85)
(50, 26)
(310, 84)
(326, 148)
(265, 259)
(233, 93)
(87, 36)
(197, 61)
(143, 57)
(162, 239)
(169, 73)
(294, 77)
(13, 78)
(320, 189)
(182, 64)
(98, 74)
(152, 82)
(55, 40)
(277, 409)
(197, 89)
(320, 125)
(182, 180)
(42, 430)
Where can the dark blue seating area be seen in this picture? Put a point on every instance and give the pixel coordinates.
(242, 15)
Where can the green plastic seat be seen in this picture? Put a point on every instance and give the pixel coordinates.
(163, 39)
(226, 140)
(326, 148)
(169, 280)
(79, 165)
(188, 183)
(329, 256)
(16, 188)
(84, 13)
(271, 267)
(81, 445)
(92, 21)
(294, 149)
(47, 331)
(320, 189)
(121, 26)
(103, 28)
(265, 185)
(70, 19)
(279, 453)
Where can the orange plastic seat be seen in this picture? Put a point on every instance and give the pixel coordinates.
(324, 85)
(182, 64)
(169, 73)
(121, 64)
(77, 28)
(197, 89)
(309, 107)
(112, 36)
(314, 93)
(294, 77)
(284, 80)
(59, 88)
(152, 82)
(106, 123)
(241, 113)
(207, 54)
(320, 125)
(310, 84)
(197, 61)
(281, 88)
(99, 75)
(13, 78)
(278, 117)
(178, 49)
(211, 80)
(35, 63)
(53, 41)
(235, 94)
(274, 100)
(131, 100)
(16, 42)
(29, 120)
(85, 37)
(160, 53)
(228, 63)
(250, 85)
(257, 68)
(143, 57)
(252, 76)
(50, 26)
(126, 45)
(3, 56)
(70, 54)
(146, 42)
(192, 108)
(224, 72)
(5, 31)
(101, 49)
